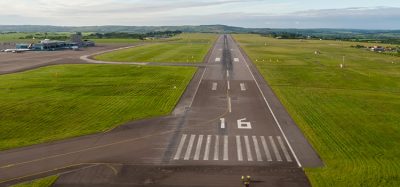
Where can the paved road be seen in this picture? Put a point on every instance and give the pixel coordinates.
(228, 123)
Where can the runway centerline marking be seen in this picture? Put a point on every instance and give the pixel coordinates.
(207, 149)
(217, 59)
(225, 148)
(229, 84)
(239, 148)
(236, 59)
(277, 155)
(229, 104)
(190, 146)
(266, 150)
(227, 73)
(248, 150)
(179, 150)
(257, 148)
(222, 123)
(198, 148)
(216, 147)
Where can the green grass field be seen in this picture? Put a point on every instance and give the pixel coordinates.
(63, 101)
(184, 48)
(351, 116)
(44, 182)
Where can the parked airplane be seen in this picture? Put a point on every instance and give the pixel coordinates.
(15, 50)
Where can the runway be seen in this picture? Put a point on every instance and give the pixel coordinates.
(228, 123)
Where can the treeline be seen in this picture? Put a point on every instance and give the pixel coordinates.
(158, 34)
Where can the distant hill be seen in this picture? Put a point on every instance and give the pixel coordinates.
(323, 33)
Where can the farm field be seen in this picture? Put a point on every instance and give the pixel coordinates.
(63, 101)
(351, 115)
(184, 48)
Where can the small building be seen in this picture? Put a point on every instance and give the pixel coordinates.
(77, 38)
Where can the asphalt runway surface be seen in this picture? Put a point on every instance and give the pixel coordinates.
(228, 123)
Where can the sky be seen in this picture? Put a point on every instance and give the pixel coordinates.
(355, 14)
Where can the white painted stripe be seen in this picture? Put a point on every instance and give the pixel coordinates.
(275, 119)
(285, 152)
(198, 148)
(242, 87)
(248, 151)
(226, 148)
(222, 123)
(179, 150)
(216, 147)
(229, 104)
(189, 148)
(217, 59)
(207, 149)
(266, 150)
(229, 85)
(277, 155)
(257, 148)
(236, 59)
(239, 148)
(214, 86)
(227, 73)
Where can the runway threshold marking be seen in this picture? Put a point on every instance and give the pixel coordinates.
(257, 148)
(248, 150)
(252, 144)
(198, 148)
(226, 148)
(214, 86)
(190, 146)
(179, 150)
(266, 150)
(239, 148)
(277, 155)
(207, 149)
(216, 147)
(285, 152)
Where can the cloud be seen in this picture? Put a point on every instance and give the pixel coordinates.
(250, 13)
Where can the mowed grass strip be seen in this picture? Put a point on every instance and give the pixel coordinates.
(351, 115)
(184, 48)
(63, 101)
(44, 182)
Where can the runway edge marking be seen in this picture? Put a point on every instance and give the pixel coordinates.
(273, 115)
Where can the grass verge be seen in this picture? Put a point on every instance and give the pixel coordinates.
(184, 48)
(44, 182)
(63, 101)
(350, 115)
